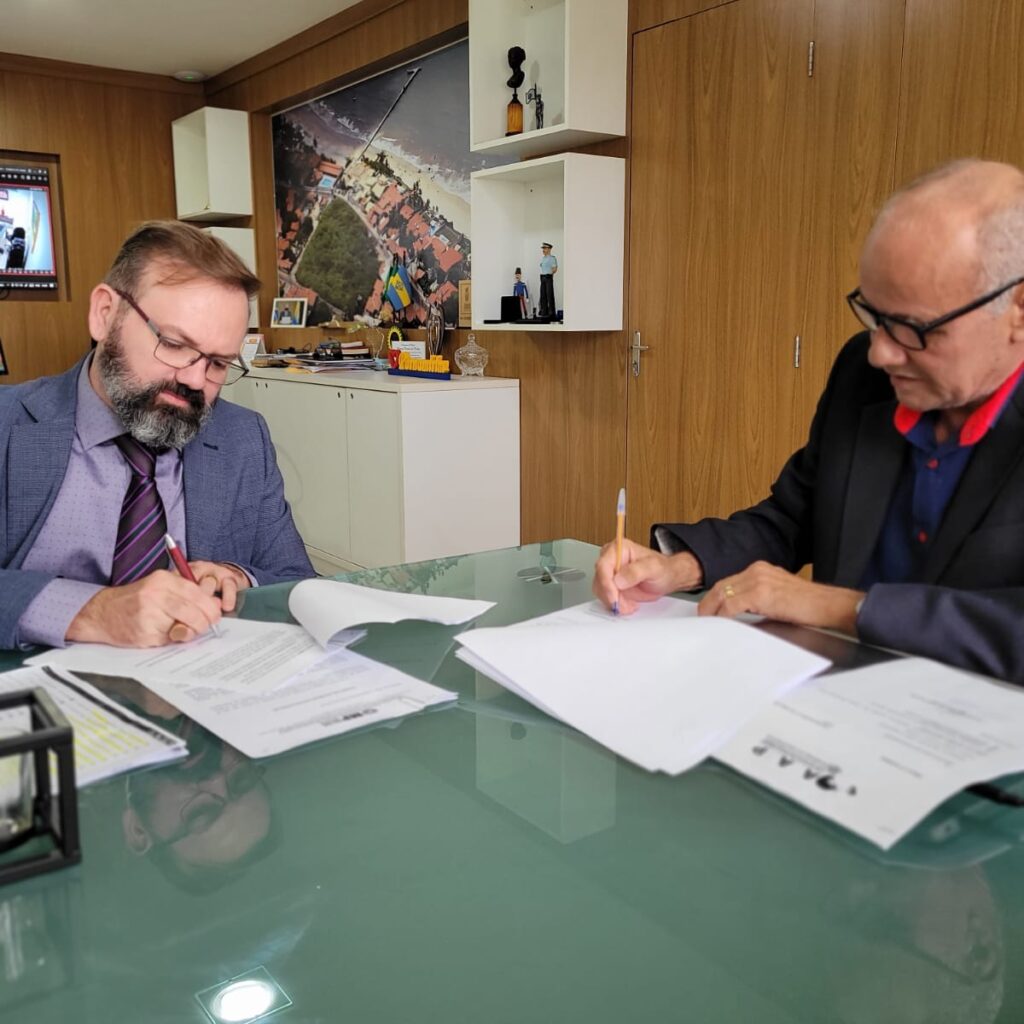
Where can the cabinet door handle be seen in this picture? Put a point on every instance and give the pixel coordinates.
(796, 352)
(634, 353)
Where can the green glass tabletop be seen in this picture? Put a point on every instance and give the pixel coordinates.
(483, 863)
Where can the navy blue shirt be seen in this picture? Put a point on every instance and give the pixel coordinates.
(931, 473)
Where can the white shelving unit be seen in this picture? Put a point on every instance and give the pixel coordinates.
(575, 54)
(367, 487)
(576, 202)
(242, 241)
(212, 176)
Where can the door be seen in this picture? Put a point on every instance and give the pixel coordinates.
(718, 257)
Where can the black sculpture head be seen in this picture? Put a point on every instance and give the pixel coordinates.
(516, 57)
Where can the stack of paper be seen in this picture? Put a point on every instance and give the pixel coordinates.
(267, 687)
(878, 748)
(662, 687)
(108, 739)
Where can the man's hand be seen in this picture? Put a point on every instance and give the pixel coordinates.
(770, 591)
(644, 575)
(227, 581)
(159, 608)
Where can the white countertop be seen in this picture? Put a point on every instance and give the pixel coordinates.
(379, 380)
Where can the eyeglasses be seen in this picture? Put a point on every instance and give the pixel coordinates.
(180, 355)
(911, 333)
(200, 812)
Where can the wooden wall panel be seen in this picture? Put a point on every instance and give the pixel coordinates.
(572, 387)
(962, 84)
(113, 140)
(646, 14)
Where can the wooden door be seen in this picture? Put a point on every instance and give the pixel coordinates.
(962, 90)
(718, 256)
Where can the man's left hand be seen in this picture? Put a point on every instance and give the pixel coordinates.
(767, 590)
(227, 581)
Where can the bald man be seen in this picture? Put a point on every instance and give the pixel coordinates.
(908, 497)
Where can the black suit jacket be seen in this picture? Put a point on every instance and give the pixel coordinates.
(830, 501)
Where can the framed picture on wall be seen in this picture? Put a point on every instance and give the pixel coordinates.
(288, 313)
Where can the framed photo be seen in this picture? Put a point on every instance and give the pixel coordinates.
(252, 346)
(288, 313)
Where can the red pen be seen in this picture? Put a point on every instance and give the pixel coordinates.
(184, 570)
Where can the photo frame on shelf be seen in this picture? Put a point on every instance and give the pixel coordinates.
(288, 313)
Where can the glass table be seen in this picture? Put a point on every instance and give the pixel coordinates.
(483, 863)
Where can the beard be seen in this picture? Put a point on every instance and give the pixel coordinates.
(150, 423)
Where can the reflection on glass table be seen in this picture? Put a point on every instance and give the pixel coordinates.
(483, 862)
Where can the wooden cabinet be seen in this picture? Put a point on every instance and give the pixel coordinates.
(381, 471)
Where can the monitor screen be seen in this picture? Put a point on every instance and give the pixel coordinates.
(27, 254)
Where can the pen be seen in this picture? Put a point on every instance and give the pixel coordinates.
(182, 566)
(620, 527)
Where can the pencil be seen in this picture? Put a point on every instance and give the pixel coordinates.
(620, 529)
(184, 569)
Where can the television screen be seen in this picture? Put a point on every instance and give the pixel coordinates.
(27, 254)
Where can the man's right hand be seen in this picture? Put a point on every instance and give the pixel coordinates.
(644, 575)
(158, 609)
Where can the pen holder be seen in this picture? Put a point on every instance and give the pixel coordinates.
(29, 810)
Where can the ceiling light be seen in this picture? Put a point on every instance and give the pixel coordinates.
(190, 76)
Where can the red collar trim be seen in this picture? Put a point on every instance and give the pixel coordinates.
(978, 423)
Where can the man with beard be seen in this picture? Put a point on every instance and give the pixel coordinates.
(98, 464)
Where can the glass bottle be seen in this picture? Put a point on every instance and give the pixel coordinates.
(514, 116)
(471, 358)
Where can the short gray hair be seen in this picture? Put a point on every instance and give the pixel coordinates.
(1001, 251)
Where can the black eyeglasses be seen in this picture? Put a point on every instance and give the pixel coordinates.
(910, 333)
(180, 355)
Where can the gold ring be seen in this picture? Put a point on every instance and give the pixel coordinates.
(729, 592)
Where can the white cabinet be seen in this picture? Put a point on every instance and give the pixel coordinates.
(370, 469)
(242, 242)
(576, 202)
(575, 55)
(212, 177)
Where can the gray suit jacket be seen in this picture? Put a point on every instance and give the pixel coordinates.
(830, 501)
(235, 508)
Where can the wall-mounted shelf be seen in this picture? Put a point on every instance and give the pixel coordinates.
(212, 176)
(576, 202)
(575, 54)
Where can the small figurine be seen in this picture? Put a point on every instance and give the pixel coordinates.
(520, 291)
(548, 269)
(514, 113)
(533, 96)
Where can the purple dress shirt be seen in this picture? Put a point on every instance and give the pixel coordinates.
(77, 540)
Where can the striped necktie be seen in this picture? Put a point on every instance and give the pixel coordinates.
(140, 530)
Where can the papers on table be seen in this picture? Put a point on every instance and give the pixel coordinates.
(878, 748)
(662, 688)
(247, 656)
(343, 692)
(109, 739)
(326, 606)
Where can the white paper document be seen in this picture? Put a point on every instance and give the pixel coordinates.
(342, 692)
(878, 748)
(662, 688)
(108, 739)
(326, 606)
(247, 656)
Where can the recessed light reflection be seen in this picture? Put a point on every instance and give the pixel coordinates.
(242, 1001)
(244, 998)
